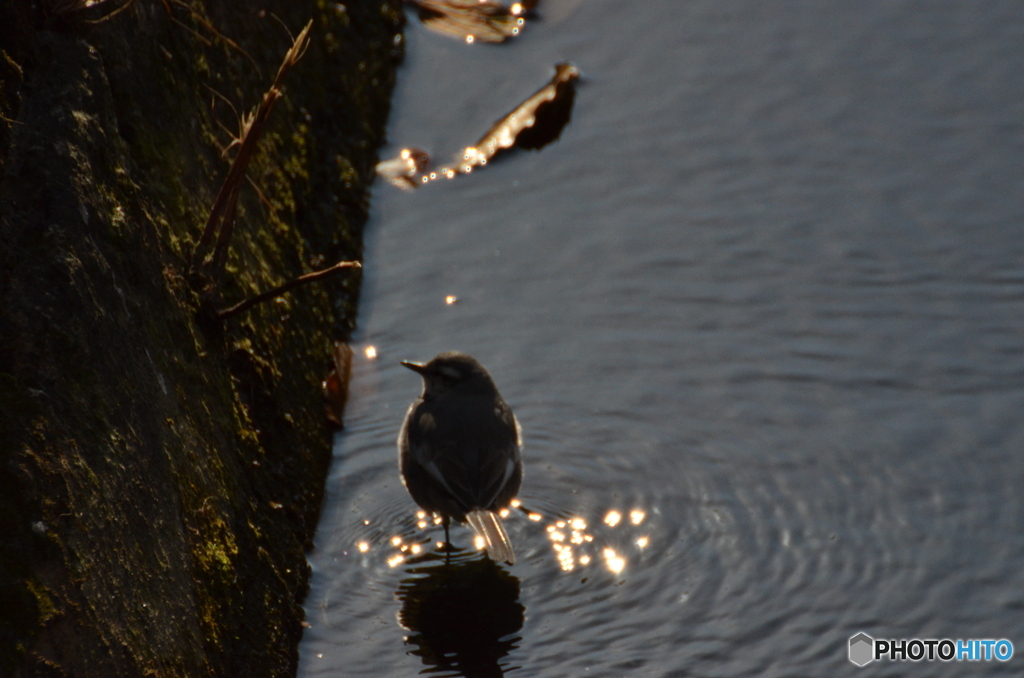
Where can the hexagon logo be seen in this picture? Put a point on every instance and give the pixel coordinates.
(862, 649)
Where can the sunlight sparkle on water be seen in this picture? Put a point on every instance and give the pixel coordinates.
(614, 561)
(371, 352)
(479, 543)
(451, 299)
(574, 547)
(565, 557)
(363, 547)
(396, 560)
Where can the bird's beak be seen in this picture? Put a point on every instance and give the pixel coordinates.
(419, 368)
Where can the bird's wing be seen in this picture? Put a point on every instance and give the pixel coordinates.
(471, 461)
(496, 473)
(473, 479)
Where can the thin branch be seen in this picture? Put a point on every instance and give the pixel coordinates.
(220, 250)
(210, 27)
(284, 26)
(222, 98)
(191, 30)
(223, 211)
(231, 144)
(112, 14)
(285, 288)
(260, 194)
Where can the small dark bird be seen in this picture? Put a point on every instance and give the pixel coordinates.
(459, 449)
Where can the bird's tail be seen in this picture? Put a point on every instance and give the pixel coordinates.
(488, 525)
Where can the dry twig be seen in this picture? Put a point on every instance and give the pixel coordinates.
(286, 287)
(208, 26)
(220, 223)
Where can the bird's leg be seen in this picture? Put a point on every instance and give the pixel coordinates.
(445, 520)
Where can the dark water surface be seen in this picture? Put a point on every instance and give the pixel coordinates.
(762, 303)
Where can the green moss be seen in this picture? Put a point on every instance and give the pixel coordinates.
(217, 553)
(46, 609)
(176, 464)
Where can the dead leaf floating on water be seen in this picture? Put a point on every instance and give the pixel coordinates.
(404, 170)
(535, 123)
(473, 20)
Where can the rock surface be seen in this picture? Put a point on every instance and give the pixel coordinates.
(161, 472)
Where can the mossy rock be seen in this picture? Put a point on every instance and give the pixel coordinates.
(162, 472)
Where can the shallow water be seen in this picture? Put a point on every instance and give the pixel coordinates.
(763, 302)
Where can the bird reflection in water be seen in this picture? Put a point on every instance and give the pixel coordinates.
(462, 612)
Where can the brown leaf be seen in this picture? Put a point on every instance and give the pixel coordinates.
(555, 97)
(533, 124)
(473, 20)
(510, 129)
(404, 170)
(336, 385)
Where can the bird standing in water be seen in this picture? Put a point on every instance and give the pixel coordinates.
(459, 449)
